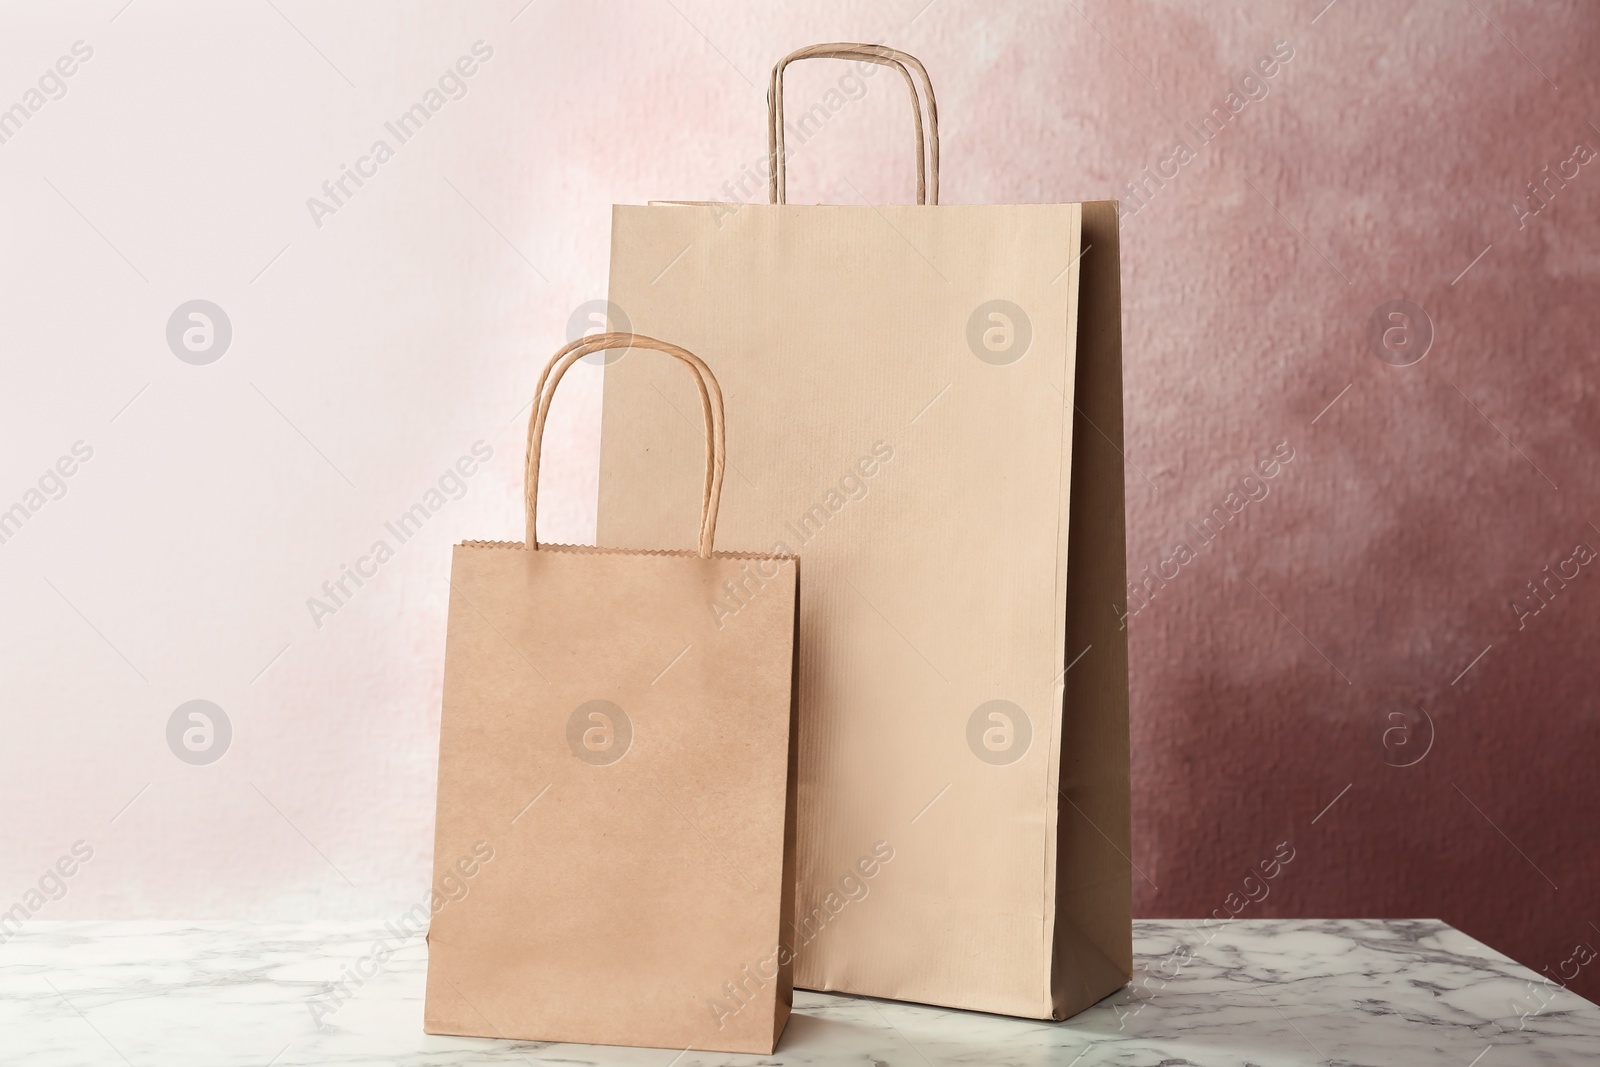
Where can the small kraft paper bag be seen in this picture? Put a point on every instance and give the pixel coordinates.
(925, 402)
(616, 781)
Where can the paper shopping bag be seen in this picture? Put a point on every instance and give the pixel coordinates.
(614, 846)
(925, 403)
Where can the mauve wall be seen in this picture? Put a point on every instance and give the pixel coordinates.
(1341, 668)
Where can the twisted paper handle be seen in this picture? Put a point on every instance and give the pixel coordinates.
(710, 406)
(927, 161)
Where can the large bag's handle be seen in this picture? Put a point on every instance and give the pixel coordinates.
(927, 161)
(710, 407)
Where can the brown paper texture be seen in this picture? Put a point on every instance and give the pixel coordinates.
(900, 385)
(615, 841)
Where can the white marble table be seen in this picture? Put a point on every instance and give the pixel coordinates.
(1264, 993)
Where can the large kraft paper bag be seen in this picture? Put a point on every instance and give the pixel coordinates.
(925, 404)
(615, 782)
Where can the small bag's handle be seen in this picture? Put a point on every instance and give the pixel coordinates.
(927, 160)
(710, 407)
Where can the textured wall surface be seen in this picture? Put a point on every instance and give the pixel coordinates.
(1348, 659)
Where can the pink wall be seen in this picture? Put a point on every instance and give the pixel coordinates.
(1382, 162)
(1385, 157)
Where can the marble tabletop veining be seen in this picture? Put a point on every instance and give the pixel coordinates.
(1251, 992)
